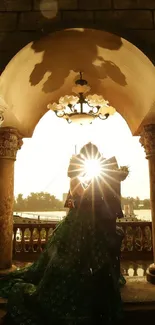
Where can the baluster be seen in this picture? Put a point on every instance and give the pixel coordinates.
(138, 245)
(134, 235)
(47, 231)
(145, 266)
(129, 236)
(140, 270)
(45, 238)
(14, 241)
(39, 248)
(31, 239)
(124, 243)
(151, 242)
(143, 238)
(35, 236)
(22, 250)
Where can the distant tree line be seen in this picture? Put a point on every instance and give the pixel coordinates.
(37, 202)
(43, 201)
(137, 203)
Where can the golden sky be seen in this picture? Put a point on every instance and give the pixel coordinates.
(43, 160)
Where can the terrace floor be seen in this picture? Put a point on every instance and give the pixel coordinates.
(138, 295)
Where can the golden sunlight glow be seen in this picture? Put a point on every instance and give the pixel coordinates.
(53, 145)
(92, 168)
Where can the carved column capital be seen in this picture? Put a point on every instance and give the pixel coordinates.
(10, 142)
(147, 140)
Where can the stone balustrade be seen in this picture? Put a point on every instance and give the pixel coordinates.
(30, 239)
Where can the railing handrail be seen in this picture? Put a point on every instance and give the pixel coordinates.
(35, 225)
(54, 223)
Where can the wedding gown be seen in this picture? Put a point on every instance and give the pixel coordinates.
(75, 280)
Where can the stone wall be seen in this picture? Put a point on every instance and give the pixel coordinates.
(22, 21)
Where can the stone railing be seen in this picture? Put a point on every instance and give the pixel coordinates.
(137, 243)
(30, 239)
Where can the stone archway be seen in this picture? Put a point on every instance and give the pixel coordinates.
(45, 70)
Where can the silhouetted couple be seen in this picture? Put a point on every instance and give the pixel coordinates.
(76, 280)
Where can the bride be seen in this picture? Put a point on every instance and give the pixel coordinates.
(76, 278)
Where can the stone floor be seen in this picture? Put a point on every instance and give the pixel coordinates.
(137, 295)
(138, 290)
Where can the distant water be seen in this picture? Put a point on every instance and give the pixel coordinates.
(143, 214)
(44, 215)
(59, 215)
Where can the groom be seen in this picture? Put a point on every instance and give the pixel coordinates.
(112, 184)
(111, 195)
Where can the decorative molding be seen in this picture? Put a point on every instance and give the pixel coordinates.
(10, 143)
(1, 115)
(147, 140)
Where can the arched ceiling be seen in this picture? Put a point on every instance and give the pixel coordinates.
(45, 70)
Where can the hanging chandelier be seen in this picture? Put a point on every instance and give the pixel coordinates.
(81, 108)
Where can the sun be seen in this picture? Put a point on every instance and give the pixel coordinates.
(92, 168)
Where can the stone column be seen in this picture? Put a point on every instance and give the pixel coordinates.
(10, 142)
(148, 142)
